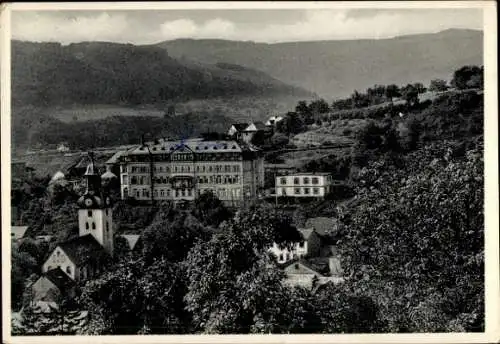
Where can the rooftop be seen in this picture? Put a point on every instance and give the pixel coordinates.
(81, 248)
(59, 278)
(17, 232)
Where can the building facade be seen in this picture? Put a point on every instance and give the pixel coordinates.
(173, 170)
(304, 185)
(309, 246)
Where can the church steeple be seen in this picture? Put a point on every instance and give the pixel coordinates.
(95, 214)
(93, 177)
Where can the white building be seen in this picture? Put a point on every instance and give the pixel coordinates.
(180, 171)
(304, 185)
(273, 120)
(310, 245)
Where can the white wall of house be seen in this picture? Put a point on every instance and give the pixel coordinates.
(284, 254)
(59, 258)
(297, 185)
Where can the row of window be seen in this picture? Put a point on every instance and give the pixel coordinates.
(302, 191)
(87, 226)
(219, 179)
(184, 168)
(305, 180)
(145, 193)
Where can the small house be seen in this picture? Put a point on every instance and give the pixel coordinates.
(80, 258)
(253, 128)
(299, 273)
(273, 120)
(18, 232)
(52, 286)
(236, 130)
(309, 246)
(134, 241)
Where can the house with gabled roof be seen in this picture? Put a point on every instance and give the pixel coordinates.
(18, 232)
(299, 273)
(253, 128)
(80, 258)
(134, 241)
(236, 130)
(52, 286)
(310, 245)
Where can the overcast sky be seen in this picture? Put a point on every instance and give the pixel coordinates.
(267, 25)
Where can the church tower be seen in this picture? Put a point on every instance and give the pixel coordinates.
(95, 214)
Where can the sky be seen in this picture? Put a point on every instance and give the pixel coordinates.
(259, 25)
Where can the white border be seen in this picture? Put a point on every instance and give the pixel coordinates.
(492, 265)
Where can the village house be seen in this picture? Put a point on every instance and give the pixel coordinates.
(134, 242)
(236, 130)
(309, 246)
(299, 273)
(52, 286)
(304, 185)
(63, 147)
(252, 129)
(273, 120)
(17, 232)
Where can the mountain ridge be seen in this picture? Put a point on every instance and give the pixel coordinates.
(335, 68)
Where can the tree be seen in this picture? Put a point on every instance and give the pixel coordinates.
(438, 85)
(392, 91)
(415, 240)
(233, 286)
(419, 87)
(410, 94)
(136, 298)
(210, 210)
(319, 106)
(468, 77)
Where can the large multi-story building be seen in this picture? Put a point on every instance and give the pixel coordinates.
(304, 185)
(173, 170)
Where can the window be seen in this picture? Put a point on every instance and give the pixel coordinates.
(93, 225)
(315, 191)
(306, 191)
(162, 193)
(89, 213)
(283, 181)
(297, 191)
(296, 266)
(107, 226)
(68, 270)
(49, 268)
(280, 257)
(107, 212)
(306, 180)
(86, 225)
(137, 193)
(58, 253)
(315, 180)
(296, 180)
(133, 180)
(301, 244)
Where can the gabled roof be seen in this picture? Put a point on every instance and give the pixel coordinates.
(299, 267)
(306, 232)
(132, 240)
(108, 175)
(240, 126)
(323, 225)
(17, 232)
(115, 158)
(82, 248)
(59, 278)
(257, 125)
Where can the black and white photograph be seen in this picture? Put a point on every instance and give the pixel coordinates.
(249, 169)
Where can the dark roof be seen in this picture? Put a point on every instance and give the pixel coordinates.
(59, 278)
(82, 248)
(240, 126)
(260, 125)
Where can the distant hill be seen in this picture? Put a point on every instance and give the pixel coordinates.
(47, 74)
(333, 69)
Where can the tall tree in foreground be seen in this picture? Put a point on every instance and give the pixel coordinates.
(416, 241)
(233, 285)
